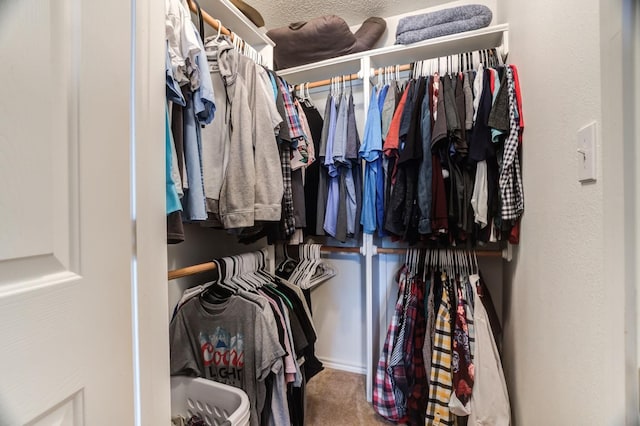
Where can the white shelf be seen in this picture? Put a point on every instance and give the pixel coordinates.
(233, 19)
(483, 38)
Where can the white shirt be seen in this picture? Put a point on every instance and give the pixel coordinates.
(489, 404)
(183, 42)
(480, 197)
(477, 90)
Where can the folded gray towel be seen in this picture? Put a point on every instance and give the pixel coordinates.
(442, 22)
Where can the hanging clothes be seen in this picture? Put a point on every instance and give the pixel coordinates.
(489, 403)
(333, 194)
(323, 184)
(371, 152)
(386, 401)
(190, 98)
(452, 158)
(235, 346)
(440, 361)
(440, 378)
(250, 330)
(312, 172)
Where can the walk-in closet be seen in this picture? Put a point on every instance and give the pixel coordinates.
(298, 213)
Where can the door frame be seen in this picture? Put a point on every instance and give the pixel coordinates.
(149, 252)
(631, 101)
(620, 158)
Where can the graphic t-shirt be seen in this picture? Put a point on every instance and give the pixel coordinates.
(230, 343)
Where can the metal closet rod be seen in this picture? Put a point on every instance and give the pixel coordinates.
(349, 77)
(211, 266)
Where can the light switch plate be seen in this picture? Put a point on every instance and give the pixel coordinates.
(587, 153)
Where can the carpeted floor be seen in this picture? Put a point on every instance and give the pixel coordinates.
(337, 398)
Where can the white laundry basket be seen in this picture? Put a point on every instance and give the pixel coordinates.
(216, 403)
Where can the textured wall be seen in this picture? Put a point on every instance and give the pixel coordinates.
(564, 342)
(354, 12)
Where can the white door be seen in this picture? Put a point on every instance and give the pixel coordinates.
(66, 229)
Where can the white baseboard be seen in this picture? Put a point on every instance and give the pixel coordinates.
(342, 366)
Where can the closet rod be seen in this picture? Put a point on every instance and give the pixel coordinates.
(191, 270)
(326, 82)
(210, 266)
(350, 77)
(403, 250)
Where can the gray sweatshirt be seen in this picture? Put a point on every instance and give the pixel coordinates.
(265, 120)
(244, 161)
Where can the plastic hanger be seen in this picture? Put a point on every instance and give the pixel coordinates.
(475, 262)
(260, 272)
(215, 40)
(327, 270)
(250, 268)
(312, 263)
(287, 260)
(265, 276)
(234, 40)
(308, 100)
(414, 261)
(295, 275)
(258, 269)
(217, 291)
(427, 253)
(230, 272)
(238, 271)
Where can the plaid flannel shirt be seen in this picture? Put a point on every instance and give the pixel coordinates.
(510, 183)
(417, 400)
(295, 128)
(288, 221)
(438, 412)
(384, 399)
(397, 367)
